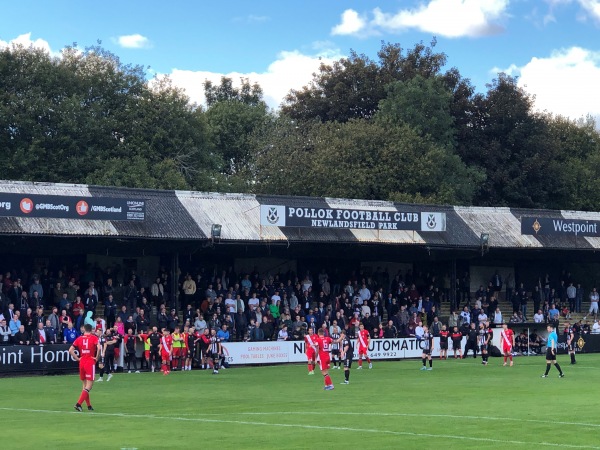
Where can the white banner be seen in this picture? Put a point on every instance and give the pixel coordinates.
(270, 352)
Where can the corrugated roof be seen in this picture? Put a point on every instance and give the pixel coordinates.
(188, 215)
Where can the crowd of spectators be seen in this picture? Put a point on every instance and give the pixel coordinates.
(50, 307)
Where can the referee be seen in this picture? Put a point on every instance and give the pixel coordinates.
(551, 352)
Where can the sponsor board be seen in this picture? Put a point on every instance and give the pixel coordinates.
(65, 207)
(294, 351)
(559, 226)
(36, 358)
(306, 217)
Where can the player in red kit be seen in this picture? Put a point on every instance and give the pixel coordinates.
(507, 336)
(88, 352)
(166, 351)
(324, 344)
(363, 346)
(311, 343)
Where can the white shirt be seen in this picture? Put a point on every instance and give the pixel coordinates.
(482, 317)
(365, 294)
(253, 301)
(419, 332)
(231, 305)
(498, 317)
(538, 318)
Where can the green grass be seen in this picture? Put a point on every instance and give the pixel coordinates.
(460, 404)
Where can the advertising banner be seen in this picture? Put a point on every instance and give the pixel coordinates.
(36, 358)
(560, 226)
(289, 216)
(585, 343)
(293, 351)
(65, 207)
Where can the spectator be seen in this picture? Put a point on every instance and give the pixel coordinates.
(22, 336)
(538, 317)
(267, 329)
(515, 318)
(5, 333)
(223, 333)
(283, 333)
(110, 311)
(553, 314)
(70, 333)
(51, 332)
(498, 317)
(15, 323)
(390, 330)
(594, 297)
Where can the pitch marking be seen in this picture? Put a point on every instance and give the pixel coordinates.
(302, 426)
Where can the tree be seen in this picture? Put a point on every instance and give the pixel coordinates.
(422, 103)
(352, 87)
(86, 117)
(232, 116)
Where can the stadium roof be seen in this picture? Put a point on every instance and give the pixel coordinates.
(187, 215)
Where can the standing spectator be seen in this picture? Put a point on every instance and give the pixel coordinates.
(267, 328)
(110, 311)
(130, 295)
(70, 333)
(593, 304)
(189, 289)
(5, 334)
(578, 298)
(572, 296)
(90, 301)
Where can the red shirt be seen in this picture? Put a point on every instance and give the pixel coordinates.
(87, 346)
(167, 343)
(507, 337)
(324, 345)
(311, 340)
(363, 338)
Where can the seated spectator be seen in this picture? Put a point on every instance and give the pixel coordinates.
(22, 336)
(596, 327)
(521, 342)
(515, 318)
(535, 343)
(586, 328)
(538, 317)
(283, 333)
(15, 323)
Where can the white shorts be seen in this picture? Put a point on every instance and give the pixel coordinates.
(594, 307)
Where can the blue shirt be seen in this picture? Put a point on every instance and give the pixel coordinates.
(70, 335)
(223, 335)
(552, 340)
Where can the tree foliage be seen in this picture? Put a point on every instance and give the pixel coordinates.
(400, 127)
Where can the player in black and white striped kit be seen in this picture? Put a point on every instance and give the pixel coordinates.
(214, 349)
(427, 345)
(335, 347)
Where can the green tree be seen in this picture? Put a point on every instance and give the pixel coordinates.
(86, 117)
(422, 103)
(232, 116)
(352, 87)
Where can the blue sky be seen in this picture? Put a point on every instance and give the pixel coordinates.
(552, 45)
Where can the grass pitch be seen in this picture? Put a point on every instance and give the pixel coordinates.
(459, 404)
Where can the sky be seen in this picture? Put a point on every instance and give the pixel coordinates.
(552, 46)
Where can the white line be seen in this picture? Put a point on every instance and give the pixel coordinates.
(315, 427)
(443, 416)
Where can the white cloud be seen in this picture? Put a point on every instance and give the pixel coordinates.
(592, 7)
(291, 70)
(449, 18)
(352, 23)
(133, 41)
(25, 41)
(564, 83)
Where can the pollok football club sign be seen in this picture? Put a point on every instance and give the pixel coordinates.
(66, 207)
(307, 217)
